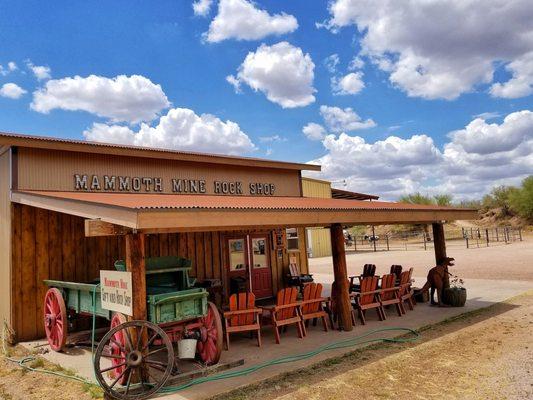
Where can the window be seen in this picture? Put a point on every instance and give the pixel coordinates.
(292, 239)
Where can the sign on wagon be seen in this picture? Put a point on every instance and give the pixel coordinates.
(116, 291)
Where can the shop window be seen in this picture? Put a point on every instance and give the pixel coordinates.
(292, 239)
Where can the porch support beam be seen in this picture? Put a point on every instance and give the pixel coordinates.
(439, 242)
(340, 272)
(136, 265)
(97, 227)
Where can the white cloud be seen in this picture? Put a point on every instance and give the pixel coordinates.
(344, 120)
(12, 91)
(179, 129)
(476, 159)
(202, 7)
(488, 115)
(242, 20)
(235, 83)
(282, 72)
(314, 131)
(351, 83)
(441, 49)
(272, 139)
(331, 63)
(41, 72)
(132, 99)
(356, 63)
(11, 66)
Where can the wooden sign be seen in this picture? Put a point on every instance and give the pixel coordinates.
(116, 291)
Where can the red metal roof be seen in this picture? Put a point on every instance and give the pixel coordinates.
(345, 194)
(143, 201)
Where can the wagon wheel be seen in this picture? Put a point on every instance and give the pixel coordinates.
(144, 367)
(209, 346)
(55, 319)
(116, 345)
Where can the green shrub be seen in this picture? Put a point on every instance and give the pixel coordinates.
(521, 200)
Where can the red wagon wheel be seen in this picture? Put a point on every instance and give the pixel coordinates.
(55, 319)
(209, 346)
(116, 345)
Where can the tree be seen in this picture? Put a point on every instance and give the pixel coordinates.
(418, 198)
(521, 199)
(499, 198)
(443, 200)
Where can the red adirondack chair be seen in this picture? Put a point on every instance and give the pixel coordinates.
(312, 305)
(368, 298)
(390, 293)
(396, 270)
(242, 316)
(368, 270)
(406, 293)
(286, 312)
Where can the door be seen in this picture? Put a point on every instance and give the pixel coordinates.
(260, 266)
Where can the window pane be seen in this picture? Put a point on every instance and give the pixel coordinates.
(259, 256)
(236, 254)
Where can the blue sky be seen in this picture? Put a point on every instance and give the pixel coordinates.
(165, 43)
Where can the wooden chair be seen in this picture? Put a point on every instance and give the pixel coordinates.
(295, 278)
(368, 270)
(286, 312)
(397, 271)
(242, 316)
(312, 305)
(331, 306)
(406, 292)
(368, 298)
(390, 293)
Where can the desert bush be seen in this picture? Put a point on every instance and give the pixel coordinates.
(521, 199)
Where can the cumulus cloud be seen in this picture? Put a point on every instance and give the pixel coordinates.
(443, 49)
(179, 129)
(351, 83)
(123, 98)
(281, 71)
(344, 120)
(331, 62)
(41, 72)
(11, 91)
(243, 20)
(202, 7)
(477, 158)
(11, 66)
(314, 131)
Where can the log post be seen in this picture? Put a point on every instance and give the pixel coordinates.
(340, 272)
(439, 242)
(136, 265)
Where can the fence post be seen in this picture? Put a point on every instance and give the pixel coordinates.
(374, 237)
(497, 237)
(424, 236)
(387, 237)
(466, 238)
(487, 235)
(505, 234)
(520, 233)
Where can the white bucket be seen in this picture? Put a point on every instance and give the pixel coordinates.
(187, 349)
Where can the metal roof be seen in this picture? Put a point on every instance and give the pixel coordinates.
(345, 194)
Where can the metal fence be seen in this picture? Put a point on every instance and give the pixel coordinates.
(421, 240)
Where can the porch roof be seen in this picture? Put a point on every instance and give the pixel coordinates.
(152, 212)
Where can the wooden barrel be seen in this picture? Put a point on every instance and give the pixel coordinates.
(455, 297)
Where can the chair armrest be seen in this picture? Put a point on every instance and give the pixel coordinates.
(240, 312)
(320, 299)
(284, 306)
(371, 292)
(395, 288)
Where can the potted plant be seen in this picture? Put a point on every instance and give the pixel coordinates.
(455, 295)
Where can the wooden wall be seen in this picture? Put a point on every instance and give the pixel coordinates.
(319, 238)
(5, 238)
(51, 245)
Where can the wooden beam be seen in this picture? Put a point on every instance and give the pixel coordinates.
(340, 272)
(136, 265)
(439, 242)
(97, 227)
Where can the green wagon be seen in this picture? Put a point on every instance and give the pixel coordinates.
(177, 312)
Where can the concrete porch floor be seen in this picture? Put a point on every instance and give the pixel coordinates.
(481, 293)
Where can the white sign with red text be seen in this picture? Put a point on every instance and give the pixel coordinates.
(116, 291)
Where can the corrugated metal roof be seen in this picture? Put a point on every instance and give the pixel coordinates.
(144, 201)
(345, 194)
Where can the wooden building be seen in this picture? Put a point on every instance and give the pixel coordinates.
(71, 208)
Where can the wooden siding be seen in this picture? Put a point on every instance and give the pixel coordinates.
(5, 238)
(54, 170)
(51, 245)
(316, 188)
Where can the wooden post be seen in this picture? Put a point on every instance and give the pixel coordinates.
(425, 245)
(340, 273)
(136, 265)
(487, 236)
(387, 237)
(439, 242)
(374, 237)
(520, 233)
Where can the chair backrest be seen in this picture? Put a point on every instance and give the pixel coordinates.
(396, 270)
(369, 270)
(368, 284)
(294, 270)
(388, 281)
(405, 279)
(242, 301)
(284, 297)
(312, 291)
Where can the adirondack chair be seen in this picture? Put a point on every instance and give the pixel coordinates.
(368, 298)
(242, 316)
(397, 271)
(295, 278)
(285, 312)
(406, 293)
(331, 305)
(368, 270)
(312, 305)
(390, 293)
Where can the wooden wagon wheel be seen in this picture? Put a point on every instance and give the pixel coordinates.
(55, 319)
(145, 367)
(209, 346)
(116, 345)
